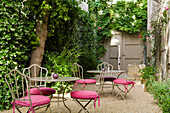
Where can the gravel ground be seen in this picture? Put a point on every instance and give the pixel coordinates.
(137, 101)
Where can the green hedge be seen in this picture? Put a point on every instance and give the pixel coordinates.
(161, 92)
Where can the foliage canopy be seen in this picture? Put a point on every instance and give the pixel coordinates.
(67, 25)
(124, 16)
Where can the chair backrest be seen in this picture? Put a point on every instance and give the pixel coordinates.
(105, 68)
(77, 70)
(36, 71)
(15, 79)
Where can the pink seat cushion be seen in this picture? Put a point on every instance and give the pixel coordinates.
(44, 91)
(123, 81)
(37, 100)
(86, 81)
(84, 94)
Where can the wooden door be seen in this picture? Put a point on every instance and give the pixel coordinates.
(113, 56)
(131, 51)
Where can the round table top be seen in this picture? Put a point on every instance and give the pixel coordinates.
(110, 71)
(50, 79)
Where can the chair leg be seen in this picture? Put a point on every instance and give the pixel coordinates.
(51, 96)
(48, 106)
(99, 89)
(102, 86)
(18, 109)
(102, 89)
(121, 91)
(113, 88)
(83, 107)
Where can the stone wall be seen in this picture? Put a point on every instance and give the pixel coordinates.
(133, 71)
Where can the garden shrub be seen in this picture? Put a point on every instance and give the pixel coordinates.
(68, 25)
(16, 42)
(90, 59)
(148, 74)
(161, 92)
(61, 64)
(79, 31)
(124, 16)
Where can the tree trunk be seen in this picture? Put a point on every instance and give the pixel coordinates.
(42, 33)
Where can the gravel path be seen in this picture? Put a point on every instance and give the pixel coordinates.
(137, 101)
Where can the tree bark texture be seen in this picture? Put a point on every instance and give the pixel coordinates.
(42, 33)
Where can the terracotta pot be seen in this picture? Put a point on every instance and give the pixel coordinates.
(143, 81)
(145, 89)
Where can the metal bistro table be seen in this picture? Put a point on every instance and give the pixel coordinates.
(110, 71)
(59, 79)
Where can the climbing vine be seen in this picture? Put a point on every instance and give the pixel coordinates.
(17, 38)
(125, 16)
(153, 36)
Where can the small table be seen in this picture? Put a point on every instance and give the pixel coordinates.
(110, 71)
(106, 72)
(59, 79)
(50, 79)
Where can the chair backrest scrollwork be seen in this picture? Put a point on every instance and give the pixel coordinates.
(77, 70)
(105, 68)
(36, 71)
(19, 85)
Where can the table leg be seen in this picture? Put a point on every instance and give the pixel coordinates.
(64, 100)
(65, 104)
(58, 104)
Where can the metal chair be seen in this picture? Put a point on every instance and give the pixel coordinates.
(123, 91)
(78, 72)
(86, 95)
(106, 78)
(82, 96)
(37, 71)
(18, 84)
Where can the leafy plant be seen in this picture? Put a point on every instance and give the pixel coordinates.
(148, 74)
(61, 64)
(89, 60)
(154, 35)
(78, 31)
(124, 16)
(161, 92)
(17, 38)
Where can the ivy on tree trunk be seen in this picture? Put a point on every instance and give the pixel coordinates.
(41, 33)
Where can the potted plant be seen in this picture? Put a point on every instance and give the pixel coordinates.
(148, 75)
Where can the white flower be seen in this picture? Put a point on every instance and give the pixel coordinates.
(141, 4)
(117, 15)
(100, 12)
(133, 17)
(15, 62)
(132, 23)
(12, 29)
